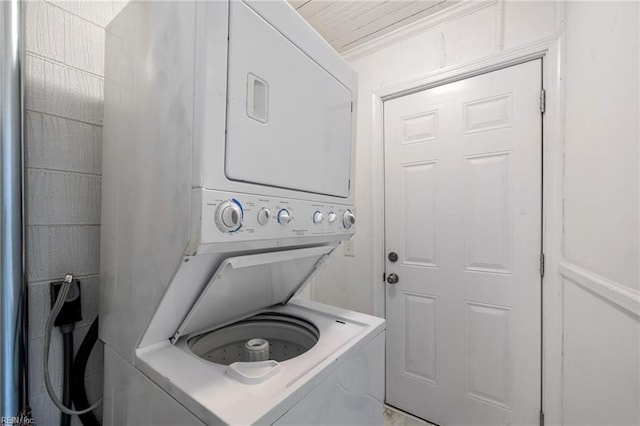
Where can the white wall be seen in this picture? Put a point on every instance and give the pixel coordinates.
(601, 366)
(63, 125)
(601, 185)
(600, 302)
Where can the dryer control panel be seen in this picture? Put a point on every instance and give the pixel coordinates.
(245, 217)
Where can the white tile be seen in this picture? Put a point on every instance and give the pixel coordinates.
(72, 93)
(38, 308)
(36, 368)
(66, 92)
(84, 43)
(83, 242)
(61, 198)
(38, 242)
(35, 154)
(99, 12)
(45, 30)
(34, 83)
(54, 251)
(42, 409)
(69, 6)
(75, 249)
(97, 149)
(62, 144)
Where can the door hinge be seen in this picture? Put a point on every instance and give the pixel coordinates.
(541, 265)
(351, 106)
(384, 277)
(543, 100)
(541, 418)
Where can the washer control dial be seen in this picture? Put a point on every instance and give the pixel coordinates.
(284, 217)
(263, 216)
(317, 217)
(331, 217)
(229, 216)
(348, 220)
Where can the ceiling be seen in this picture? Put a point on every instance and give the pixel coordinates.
(346, 24)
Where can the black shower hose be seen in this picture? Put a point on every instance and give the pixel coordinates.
(78, 390)
(67, 370)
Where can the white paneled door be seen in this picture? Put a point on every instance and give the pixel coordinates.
(463, 173)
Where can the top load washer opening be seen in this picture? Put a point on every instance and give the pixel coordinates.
(280, 337)
(288, 120)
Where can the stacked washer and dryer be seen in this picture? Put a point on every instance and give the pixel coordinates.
(228, 165)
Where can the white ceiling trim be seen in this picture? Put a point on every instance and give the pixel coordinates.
(452, 12)
(386, 18)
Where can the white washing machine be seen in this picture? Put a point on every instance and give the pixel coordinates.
(228, 166)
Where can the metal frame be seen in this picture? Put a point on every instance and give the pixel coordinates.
(12, 295)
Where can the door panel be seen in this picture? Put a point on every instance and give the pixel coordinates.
(420, 337)
(419, 213)
(288, 120)
(463, 211)
(487, 212)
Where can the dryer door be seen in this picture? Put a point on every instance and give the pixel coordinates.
(243, 285)
(288, 120)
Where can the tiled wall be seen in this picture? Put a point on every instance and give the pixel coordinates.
(63, 147)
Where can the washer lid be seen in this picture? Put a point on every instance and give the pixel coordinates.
(243, 285)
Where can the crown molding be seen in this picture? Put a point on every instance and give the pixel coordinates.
(458, 10)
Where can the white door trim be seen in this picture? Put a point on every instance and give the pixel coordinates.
(551, 51)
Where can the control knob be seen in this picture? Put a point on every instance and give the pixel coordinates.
(263, 216)
(284, 217)
(348, 220)
(317, 217)
(331, 217)
(229, 216)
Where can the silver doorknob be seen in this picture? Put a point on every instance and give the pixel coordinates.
(392, 279)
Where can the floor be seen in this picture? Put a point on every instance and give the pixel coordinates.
(394, 417)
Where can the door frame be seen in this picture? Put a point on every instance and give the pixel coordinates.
(550, 50)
